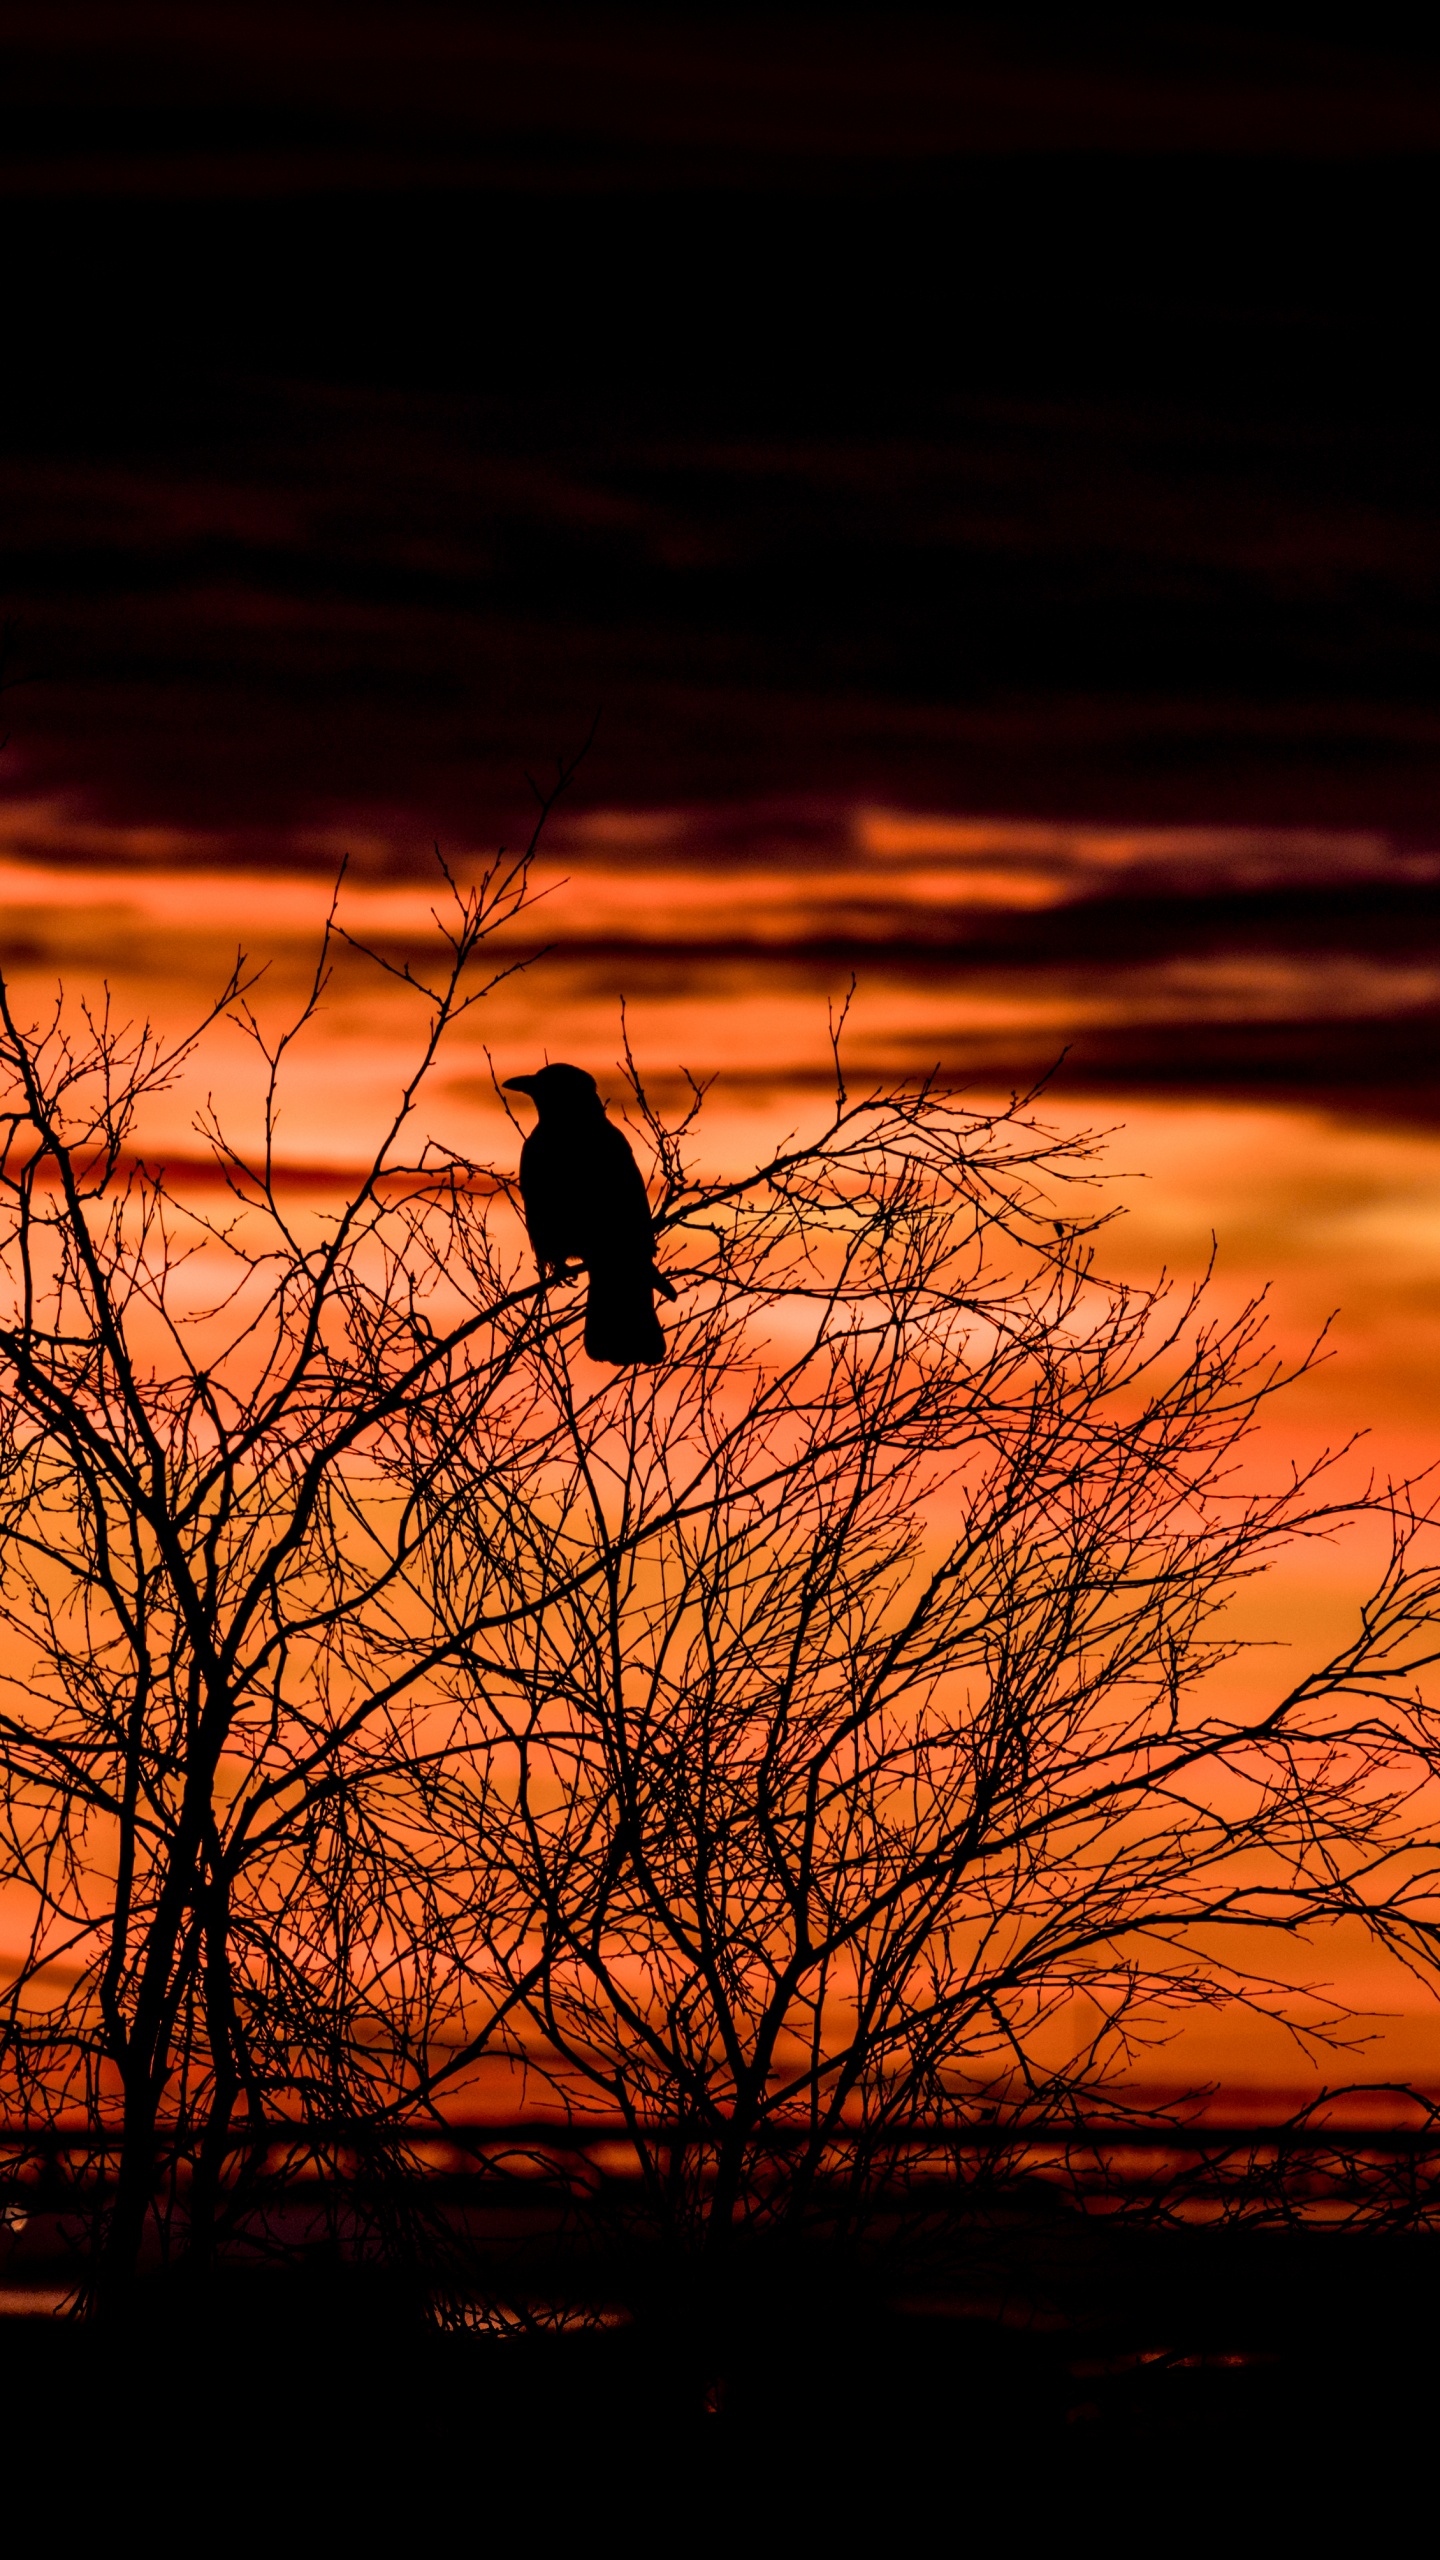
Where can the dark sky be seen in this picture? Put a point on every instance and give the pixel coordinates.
(941, 410)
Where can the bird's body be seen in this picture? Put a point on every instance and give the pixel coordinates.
(585, 1201)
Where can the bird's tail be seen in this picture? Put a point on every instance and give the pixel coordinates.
(620, 1320)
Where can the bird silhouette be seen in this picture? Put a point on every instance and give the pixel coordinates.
(585, 1201)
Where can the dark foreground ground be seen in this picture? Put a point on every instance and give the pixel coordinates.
(1187, 2383)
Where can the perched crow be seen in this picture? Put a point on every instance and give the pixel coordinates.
(585, 1202)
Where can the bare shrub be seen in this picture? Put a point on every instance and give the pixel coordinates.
(810, 1742)
(213, 1723)
(850, 1750)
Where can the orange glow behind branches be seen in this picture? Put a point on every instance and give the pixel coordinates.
(727, 963)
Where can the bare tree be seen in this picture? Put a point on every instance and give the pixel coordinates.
(850, 1752)
(808, 1742)
(212, 1721)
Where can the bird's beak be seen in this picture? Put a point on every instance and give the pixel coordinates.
(520, 1084)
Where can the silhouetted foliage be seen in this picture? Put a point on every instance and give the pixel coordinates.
(847, 1749)
(811, 1740)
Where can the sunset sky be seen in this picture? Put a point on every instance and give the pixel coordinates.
(985, 484)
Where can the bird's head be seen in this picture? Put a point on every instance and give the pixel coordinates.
(567, 1092)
